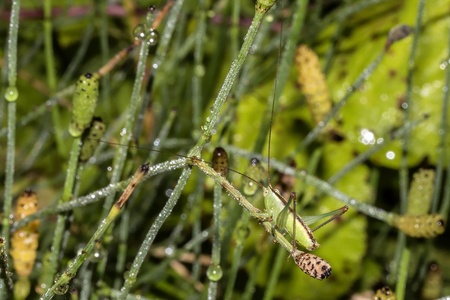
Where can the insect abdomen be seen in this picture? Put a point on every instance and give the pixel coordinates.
(312, 265)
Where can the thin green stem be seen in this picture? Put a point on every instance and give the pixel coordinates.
(250, 286)
(217, 215)
(5, 275)
(11, 96)
(403, 274)
(215, 253)
(100, 194)
(274, 274)
(401, 251)
(212, 290)
(102, 24)
(9, 172)
(199, 68)
(283, 71)
(12, 43)
(445, 207)
(442, 150)
(237, 253)
(51, 77)
(212, 119)
(150, 237)
(72, 269)
(60, 222)
(121, 152)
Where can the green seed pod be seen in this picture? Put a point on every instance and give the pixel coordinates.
(220, 161)
(421, 192)
(385, 293)
(92, 139)
(255, 171)
(424, 226)
(84, 102)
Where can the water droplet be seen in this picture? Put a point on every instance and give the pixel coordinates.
(139, 32)
(153, 37)
(156, 142)
(11, 93)
(61, 289)
(152, 9)
(214, 273)
(169, 251)
(169, 192)
(200, 70)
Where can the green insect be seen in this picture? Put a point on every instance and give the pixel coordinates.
(92, 139)
(84, 103)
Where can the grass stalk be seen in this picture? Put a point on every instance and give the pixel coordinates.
(150, 237)
(237, 253)
(11, 96)
(211, 120)
(403, 170)
(215, 253)
(99, 194)
(403, 274)
(197, 98)
(283, 71)
(274, 273)
(70, 272)
(442, 150)
(61, 220)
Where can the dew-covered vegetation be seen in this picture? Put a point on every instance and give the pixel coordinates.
(113, 111)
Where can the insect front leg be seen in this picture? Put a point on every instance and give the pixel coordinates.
(262, 216)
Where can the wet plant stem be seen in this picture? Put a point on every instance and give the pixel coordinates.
(11, 96)
(211, 120)
(285, 64)
(61, 220)
(215, 263)
(150, 237)
(71, 271)
(400, 250)
(100, 194)
(242, 232)
(442, 150)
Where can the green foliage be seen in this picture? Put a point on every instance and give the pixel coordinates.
(189, 74)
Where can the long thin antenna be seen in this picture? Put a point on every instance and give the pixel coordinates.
(174, 154)
(274, 97)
